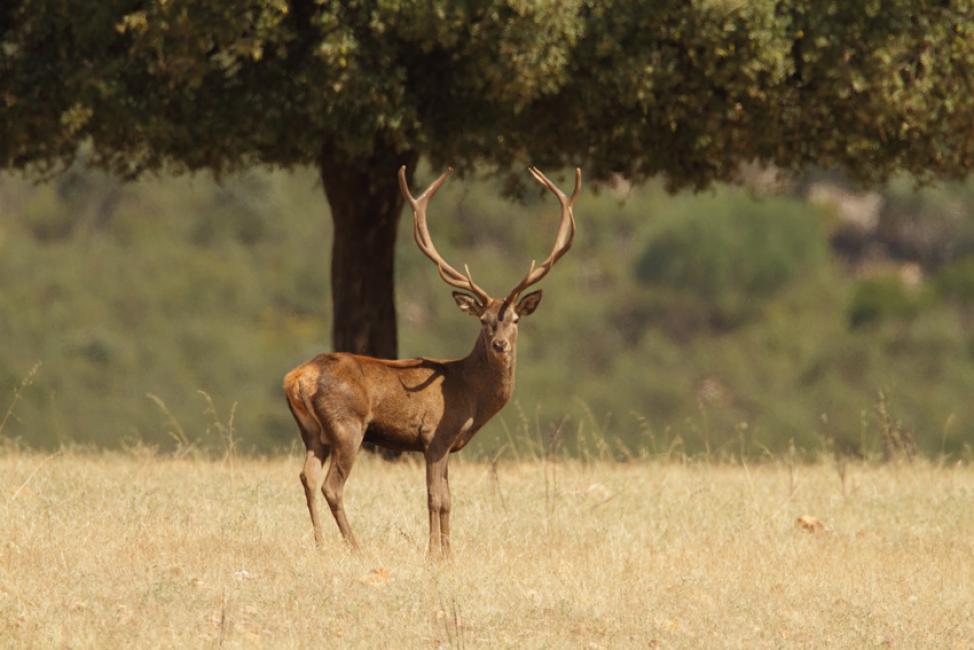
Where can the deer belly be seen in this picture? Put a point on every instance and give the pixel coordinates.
(392, 437)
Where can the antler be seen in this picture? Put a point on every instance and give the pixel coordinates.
(421, 234)
(566, 232)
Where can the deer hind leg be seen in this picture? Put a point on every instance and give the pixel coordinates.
(312, 478)
(312, 473)
(345, 439)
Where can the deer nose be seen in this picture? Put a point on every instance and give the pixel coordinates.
(500, 345)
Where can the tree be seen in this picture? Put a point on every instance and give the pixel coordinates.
(360, 87)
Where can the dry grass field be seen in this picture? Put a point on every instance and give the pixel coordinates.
(123, 550)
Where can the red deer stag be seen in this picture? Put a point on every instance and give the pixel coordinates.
(432, 406)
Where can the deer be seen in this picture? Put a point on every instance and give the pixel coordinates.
(432, 406)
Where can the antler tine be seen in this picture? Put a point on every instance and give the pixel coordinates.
(422, 237)
(428, 193)
(566, 232)
(544, 180)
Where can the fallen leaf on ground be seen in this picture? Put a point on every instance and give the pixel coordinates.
(810, 523)
(377, 576)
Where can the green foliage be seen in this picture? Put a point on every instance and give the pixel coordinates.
(690, 90)
(168, 287)
(175, 287)
(722, 260)
(956, 281)
(883, 298)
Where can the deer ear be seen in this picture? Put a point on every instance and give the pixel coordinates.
(468, 304)
(527, 304)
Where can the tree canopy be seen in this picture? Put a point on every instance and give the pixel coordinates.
(686, 90)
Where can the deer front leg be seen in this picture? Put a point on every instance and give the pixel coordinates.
(438, 494)
(445, 509)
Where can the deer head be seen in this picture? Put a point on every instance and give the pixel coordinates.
(499, 318)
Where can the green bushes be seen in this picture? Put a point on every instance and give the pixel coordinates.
(883, 298)
(721, 259)
(956, 281)
(677, 324)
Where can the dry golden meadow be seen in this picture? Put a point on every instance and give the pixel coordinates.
(139, 550)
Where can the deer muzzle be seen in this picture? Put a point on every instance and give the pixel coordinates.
(501, 345)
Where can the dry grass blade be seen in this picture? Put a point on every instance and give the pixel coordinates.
(177, 433)
(24, 383)
(40, 465)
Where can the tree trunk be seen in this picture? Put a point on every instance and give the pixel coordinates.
(365, 205)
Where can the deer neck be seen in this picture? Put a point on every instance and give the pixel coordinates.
(491, 377)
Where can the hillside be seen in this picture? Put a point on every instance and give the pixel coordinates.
(166, 312)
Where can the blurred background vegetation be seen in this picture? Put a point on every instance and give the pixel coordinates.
(804, 313)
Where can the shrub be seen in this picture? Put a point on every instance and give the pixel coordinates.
(882, 298)
(719, 264)
(956, 281)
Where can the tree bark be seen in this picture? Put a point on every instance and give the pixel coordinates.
(365, 205)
